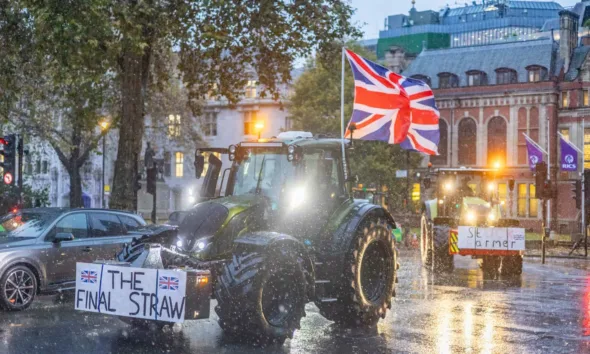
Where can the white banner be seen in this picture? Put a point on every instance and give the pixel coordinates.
(491, 238)
(155, 294)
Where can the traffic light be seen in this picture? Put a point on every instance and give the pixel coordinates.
(540, 179)
(138, 182)
(8, 163)
(151, 180)
(577, 190)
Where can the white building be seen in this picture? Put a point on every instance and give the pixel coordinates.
(219, 126)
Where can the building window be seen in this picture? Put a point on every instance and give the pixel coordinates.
(423, 78)
(533, 203)
(527, 125)
(522, 200)
(536, 73)
(476, 78)
(38, 167)
(467, 141)
(210, 124)
(447, 80)
(251, 89)
(179, 164)
(565, 99)
(506, 76)
(249, 123)
(173, 125)
(443, 144)
(45, 167)
(497, 141)
(586, 148)
(585, 98)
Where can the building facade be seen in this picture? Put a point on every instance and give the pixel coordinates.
(490, 95)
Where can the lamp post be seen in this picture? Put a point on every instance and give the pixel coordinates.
(259, 126)
(103, 126)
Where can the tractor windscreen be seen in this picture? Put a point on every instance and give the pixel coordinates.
(269, 172)
(262, 171)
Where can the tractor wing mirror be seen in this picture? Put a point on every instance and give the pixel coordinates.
(199, 164)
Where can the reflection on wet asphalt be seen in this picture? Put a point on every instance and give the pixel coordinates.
(546, 310)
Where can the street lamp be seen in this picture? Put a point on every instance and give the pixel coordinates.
(104, 124)
(259, 126)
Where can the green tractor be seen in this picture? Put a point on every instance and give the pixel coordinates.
(466, 218)
(286, 231)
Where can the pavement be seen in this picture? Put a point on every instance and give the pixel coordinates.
(545, 310)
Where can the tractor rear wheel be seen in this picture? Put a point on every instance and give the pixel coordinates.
(261, 295)
(369, 278)
(425, 244)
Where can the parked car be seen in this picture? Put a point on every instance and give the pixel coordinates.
(39, 248)
(176, 218)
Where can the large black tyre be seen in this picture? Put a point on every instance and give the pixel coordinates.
(368, 281)
(443, 261)
(425, 244)
(512, 265)
(18, 287)
(261, 295)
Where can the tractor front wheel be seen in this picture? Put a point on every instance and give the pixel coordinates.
(512, 265)
(368, 280)
(261, 295)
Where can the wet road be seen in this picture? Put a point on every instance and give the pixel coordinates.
(545, 310)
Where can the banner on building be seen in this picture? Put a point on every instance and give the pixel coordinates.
(534, 151)
(569, 155)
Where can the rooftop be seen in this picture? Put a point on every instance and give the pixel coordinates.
(488, 58)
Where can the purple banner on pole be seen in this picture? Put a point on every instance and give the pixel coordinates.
(569, 156)
(535, 154)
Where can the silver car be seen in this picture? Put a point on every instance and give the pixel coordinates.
(39, 248)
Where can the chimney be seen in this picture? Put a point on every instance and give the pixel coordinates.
(568, 36)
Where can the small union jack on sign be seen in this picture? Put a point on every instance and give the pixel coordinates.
(89, 276)
(168, 283)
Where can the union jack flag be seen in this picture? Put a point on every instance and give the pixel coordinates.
(392, 108)
(168, 283)
(89, 276)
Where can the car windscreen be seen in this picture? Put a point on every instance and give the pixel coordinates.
(25, 224)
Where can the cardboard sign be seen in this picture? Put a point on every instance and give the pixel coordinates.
(491, 238)
(155, 294)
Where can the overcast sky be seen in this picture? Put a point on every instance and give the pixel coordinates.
(371, 13)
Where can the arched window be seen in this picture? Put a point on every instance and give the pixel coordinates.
(536, 73)
(534, 124)
(467, 142)
(497, 141)
(447, 80)
(506, 76)
(423, 78)
(476, 78)
(443, 144)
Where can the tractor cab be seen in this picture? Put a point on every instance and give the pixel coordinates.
(466, 195)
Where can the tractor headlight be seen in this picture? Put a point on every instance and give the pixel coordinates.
(492, 216)
(179, 243)
(470, 216)
(291, 149)
(202, 244)
(232, 149)
(448, 186)
(296, 197)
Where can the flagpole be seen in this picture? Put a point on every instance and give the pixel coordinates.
(584, 191)
(549, 175)
(342, 117)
